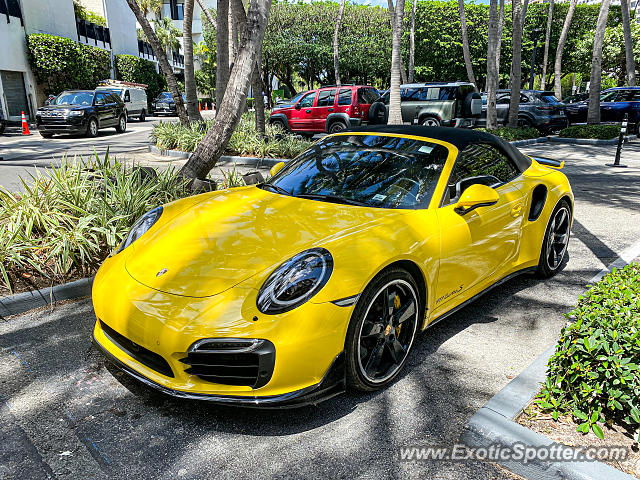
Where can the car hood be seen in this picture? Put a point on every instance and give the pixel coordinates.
(233, 235)
(61, 107)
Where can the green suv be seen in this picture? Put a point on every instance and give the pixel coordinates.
(451, 104)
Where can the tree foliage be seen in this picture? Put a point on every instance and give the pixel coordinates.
(135, 69)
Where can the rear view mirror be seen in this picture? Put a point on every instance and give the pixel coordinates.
(474, 197)
(276, 168)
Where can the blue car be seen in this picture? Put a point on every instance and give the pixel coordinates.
(614, 103)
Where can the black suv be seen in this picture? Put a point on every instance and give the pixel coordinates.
(163, 104)
(82, 111)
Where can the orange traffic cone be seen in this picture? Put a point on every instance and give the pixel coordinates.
(206, 106)
(25, 125)
(199, 107)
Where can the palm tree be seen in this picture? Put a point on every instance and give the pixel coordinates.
(215, 141)
(207, 14)
(499, 46)
(395, 112)
(524, 12)
(150, 6)
(336, 31)
(392, 17)
(222, 50)
(557, 72)
(465, 44)
(161, 54)
(628, 43)
(412, 43)
(168, 34)
(189, 71)
(593, 114)
(516, 65)
(547, 39)
(492, 71)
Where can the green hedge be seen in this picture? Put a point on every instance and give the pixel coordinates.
(511, 134)
(599, 132)
(84, 14)
(593, 373)
(59, 63)
(130, 68)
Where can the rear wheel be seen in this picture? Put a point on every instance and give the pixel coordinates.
(143, 116)
(556, 241)
(430, 122)
(92, 128)
(382, 329)
(524, 122)
(45, 135)
(337, 126)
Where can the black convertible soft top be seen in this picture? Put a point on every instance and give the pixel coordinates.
(459, 137)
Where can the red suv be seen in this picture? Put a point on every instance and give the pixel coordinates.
(327, 109)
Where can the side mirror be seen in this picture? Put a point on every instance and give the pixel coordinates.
(298, 106)
(476, 196)
(276, 168)
(127, 97)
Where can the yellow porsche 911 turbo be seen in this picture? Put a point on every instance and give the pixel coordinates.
(291, 291)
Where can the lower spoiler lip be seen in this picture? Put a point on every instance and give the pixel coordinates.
(549, 162)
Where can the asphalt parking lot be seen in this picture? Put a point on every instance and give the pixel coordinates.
(65, 414)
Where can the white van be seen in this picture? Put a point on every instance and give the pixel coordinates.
(133, 95)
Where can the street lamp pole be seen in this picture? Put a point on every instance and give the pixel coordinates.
(536, 34)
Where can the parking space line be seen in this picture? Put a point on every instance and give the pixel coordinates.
(626, 257)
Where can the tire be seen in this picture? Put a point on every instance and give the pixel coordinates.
(122, 124)
(524, 122)
(430, 122)
(92, 128)
(375, 353)
(377, 114)
(279, 124)
(556, 241)
(143, 116)
(337, 126)
(2, 127)
(46, 135)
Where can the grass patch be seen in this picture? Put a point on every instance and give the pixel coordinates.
(64, 223)
(245, 141)
(594, 374)
(598, 132)
(511, 134)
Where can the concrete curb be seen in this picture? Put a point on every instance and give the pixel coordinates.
(529, 141)
(493, 425)
(23, 302)
(590, 141)
(225, 160)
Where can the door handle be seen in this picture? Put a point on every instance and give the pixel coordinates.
(517, 210)
(308, 111)
(330, 109)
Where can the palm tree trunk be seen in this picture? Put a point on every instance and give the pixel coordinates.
(628, 43)
(593, 114)
(412, 43)
(557, 72)
(222, 51)
(547, 39)
(189, 72)
(524, 12)
(395, 112)
(492, 72)
(465, 44)
(233, 31)
(393, 16)
(207, 14)
(516, 65)
(499, 46)
(163, 61)
(336, 31)
(215, 141)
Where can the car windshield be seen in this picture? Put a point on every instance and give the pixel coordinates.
(367, 95)
(73, 98)
(548, 98)
(164, 96)
(117, 91)
(369, 170)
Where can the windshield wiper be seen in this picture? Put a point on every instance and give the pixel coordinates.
(276, 188)
(332, 198)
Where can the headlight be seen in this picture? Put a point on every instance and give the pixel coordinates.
(139, 228)
(295, 281)
(76, 113)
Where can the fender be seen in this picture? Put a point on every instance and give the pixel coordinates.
(280, 116)
(529, 117)
(332, 117)
(423, 114)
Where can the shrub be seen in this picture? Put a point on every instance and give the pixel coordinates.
(511, 134)
(244, 141)
(593, 373)
(84, 14)
(66, 222)
(130, 68)
(59, 63)
(600, 132)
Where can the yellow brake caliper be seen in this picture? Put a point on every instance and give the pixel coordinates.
(396, 306)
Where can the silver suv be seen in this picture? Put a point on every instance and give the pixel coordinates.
(451, 104)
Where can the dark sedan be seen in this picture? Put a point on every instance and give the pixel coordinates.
(614, 104)
(164, 104)
(82, 111)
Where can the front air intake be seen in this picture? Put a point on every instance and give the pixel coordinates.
(232, 361)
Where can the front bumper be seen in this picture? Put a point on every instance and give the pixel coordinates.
(62, 125)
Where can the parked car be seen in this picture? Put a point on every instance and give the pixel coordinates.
(3, 121)
(82, 111)
(133, 95)
(614, 104)
(327, 109)
(538, 109)
(578, 97)
(434, 104)
(163, 104)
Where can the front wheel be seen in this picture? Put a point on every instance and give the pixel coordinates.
(382, 329)
(122, 124)
(92, 128)
(430, 122)
(556, 241)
